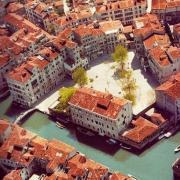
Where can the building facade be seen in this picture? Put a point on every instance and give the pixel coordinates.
(125, 11)
(36, 77)
(100, 112)
(168, 97)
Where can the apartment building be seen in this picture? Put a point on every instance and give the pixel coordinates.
(97, 38)
(125, 10)
(36, 77)
(73, 19)
(25, 39)
(143, 133)
(164, 62)
(167, 10)
(113, 34)
(100, 112)
(92, 41)
(168, 97)
(70, 51)
(41, 14)
(144, 27)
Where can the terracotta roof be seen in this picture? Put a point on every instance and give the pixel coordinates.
(176, 28)
(159, 55)
(157, 40)
(174, 53)
(49, 53)
(157, 119)
(4, 125)
(159, 4)
(24, 72)
(147, 25)
(4, 59)
(20, 22)
(14, 174)
(164, 4)
(106, 26)
(65, 34)
(118, 176)
(171, 87)
(79, 164)
(98, 102)
(14, 7)
(114, 6)
(143, 129)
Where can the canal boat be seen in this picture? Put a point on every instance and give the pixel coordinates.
(111, 141)
(59, 125)
(125, 147)
(161, 136)
(177, 149)
(133, 177)
(168, 134)
(86, 132)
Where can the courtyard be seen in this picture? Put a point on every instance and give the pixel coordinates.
(103, 77)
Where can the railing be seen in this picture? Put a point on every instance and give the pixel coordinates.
(23, 115)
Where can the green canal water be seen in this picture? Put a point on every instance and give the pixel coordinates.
(153, 164)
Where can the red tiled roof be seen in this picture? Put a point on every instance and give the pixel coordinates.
(159, 55)
(164, 4)
(171, 87)
(174, 53)
(147, 25)
(156, 39)
(3, 126)
(143, 129)
(157, 119)
(98, 102)
(118, 176)
(14, 7)
(4, 59)
(14, 174)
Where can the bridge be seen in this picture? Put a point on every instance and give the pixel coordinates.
(23, 115)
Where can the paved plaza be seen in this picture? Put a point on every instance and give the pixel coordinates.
(103, 72)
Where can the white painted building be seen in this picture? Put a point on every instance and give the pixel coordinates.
(168, 97)
(125, 10)
(36, 77)
(100, 112)
(164, 63)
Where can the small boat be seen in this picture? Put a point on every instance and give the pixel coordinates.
(168, 134)
(125, 147)
(84, 131)
(177, 149)
(161, 136)
(59, 125)
(111, 141)
(133, 177)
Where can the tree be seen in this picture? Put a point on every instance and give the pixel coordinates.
(65, 95)
(129, 87)
(120, 55)
(130, 97)
(79, 76)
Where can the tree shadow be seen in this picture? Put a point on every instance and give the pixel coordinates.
(136, 65)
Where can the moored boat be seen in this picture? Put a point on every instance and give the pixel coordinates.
(59, 125)
(168, 134)
(133, 177)
(177, 149)
(111, 141)
(125, 147)
(86, 132)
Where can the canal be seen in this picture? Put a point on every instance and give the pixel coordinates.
(153, 164)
